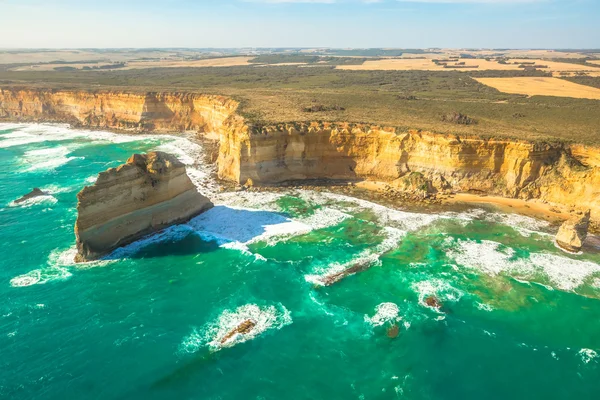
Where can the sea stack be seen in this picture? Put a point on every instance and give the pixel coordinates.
(147, 194)
(573, 232)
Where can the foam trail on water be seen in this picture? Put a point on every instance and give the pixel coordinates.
(492, 258)
(34, 201)
(60, 265)
(47, 159)
(40, 277)
(215, 335)
(384, 313)
(439, 288)
(406, 221)
(587, 355)
(39, 133)
(191, 154)
(393, 237)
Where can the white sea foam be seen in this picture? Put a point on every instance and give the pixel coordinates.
(439, 288)
(191, 154)
(265, 201)
(384, 312)
(402, 220)
(60, 264)
(55, 189)
(393, 237)
(40, 276)
(484, 307)
(37, 133)
(211, 336)
(492, 258)
(526, 226)
(66, 258)
(34, 201)
(587, 355)
(48, 159)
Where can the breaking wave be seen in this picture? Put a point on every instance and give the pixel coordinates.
(384, 313)
(493, 258)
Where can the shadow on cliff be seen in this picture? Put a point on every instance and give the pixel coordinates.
(205, 233)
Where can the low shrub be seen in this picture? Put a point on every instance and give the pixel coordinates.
(458, 118)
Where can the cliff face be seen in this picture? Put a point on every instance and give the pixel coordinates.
(147, 194)
(557, 173)
(158, 112)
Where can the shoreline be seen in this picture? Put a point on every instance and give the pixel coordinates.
(375, 191)
(555, 214)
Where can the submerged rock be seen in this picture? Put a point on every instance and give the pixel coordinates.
(147, 194)
(433, 302)
(573, 232)
(393, 331)
(36, 192)
(242, 329)
(330, 279)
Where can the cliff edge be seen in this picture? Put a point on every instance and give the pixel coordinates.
(148, 193)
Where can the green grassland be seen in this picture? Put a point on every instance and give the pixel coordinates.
(403, 99)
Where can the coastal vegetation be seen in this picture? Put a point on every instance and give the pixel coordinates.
(278, 94)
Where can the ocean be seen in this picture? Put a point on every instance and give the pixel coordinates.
(520, 319)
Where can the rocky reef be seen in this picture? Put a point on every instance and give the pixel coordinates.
(573, 232)
(36, 192)
(149, 193)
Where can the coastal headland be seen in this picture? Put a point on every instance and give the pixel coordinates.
(559, 174)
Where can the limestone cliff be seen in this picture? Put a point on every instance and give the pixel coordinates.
(147, 194)
(556, 173)
(149, 112)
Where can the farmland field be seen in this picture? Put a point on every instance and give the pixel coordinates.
(539, 86)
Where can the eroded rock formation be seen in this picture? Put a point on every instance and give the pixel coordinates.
(573, 232)
(149, 193)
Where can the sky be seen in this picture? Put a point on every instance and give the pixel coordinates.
(300, 23)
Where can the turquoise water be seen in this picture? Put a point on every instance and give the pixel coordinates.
(521, 318)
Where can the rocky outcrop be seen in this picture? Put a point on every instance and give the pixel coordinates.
(433, 302)
(149, 193)
(36, 192)
(573, 232)
(242, 329)
(330, 279)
